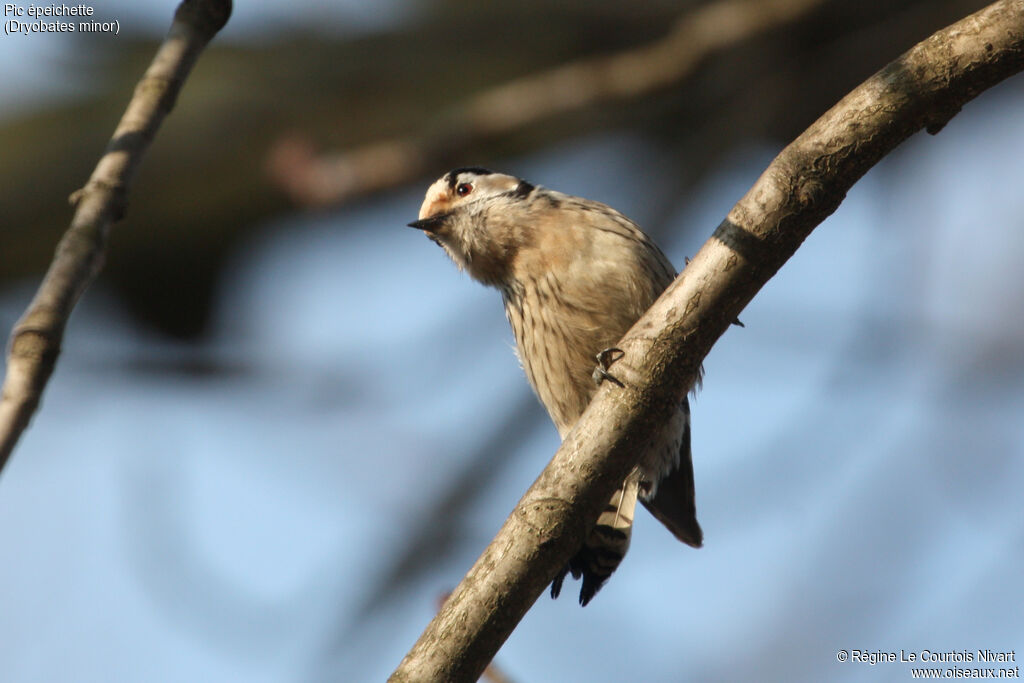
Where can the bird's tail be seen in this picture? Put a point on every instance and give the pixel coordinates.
(606, 545)
(673, 502)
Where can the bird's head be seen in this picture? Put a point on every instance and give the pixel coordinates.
(475, 215)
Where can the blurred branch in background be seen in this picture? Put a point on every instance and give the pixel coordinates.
(924, 88)
(431, 539)
(341, 90)
(523, 102)
(36, 338)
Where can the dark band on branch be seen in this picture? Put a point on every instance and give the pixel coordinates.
(739, 240)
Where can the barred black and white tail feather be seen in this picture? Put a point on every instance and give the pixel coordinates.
(606, 545)
(671, 501)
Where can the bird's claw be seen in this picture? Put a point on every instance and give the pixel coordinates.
(605, 359)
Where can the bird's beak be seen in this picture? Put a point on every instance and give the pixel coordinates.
(431, 223)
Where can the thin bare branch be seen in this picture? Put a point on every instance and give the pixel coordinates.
(36, 338)
(923, 88)
(318, 180)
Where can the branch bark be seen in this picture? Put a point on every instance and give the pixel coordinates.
(923, 88)
(314, 180)
(36, 337)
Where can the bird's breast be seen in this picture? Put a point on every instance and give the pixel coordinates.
(556, 347)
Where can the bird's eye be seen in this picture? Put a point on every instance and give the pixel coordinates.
(463, 189)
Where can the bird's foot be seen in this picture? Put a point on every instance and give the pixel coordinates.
(605, 360)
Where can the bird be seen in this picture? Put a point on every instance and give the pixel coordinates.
(574, 276)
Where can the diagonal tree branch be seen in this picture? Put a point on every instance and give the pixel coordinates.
(923, 88)
(36, 337)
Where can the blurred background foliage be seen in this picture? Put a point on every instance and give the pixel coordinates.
(204, 184)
